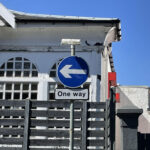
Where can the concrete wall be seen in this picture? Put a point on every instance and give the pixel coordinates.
(139, 97)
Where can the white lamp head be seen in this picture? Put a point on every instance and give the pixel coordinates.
(70, 41)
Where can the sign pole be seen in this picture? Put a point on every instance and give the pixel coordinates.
(72, 111)
(72, 50)
(71, 42)
(71, 125)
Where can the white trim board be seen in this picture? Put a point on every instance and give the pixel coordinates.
(6, 16)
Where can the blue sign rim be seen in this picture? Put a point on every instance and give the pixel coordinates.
(67, 85)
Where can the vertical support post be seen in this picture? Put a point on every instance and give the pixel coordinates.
(71, 146)
(106, 124)
(84, 125)
(129, 124)
(112, 114)
(26, 126)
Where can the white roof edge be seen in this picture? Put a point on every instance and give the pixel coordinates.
(22, 15)
(6, 16)
(134, 86)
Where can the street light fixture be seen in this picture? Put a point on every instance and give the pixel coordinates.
(71, 42)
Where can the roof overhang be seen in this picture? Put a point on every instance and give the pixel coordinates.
(12, 18)
(115, 32)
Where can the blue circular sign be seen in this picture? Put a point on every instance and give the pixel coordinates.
(73, 71)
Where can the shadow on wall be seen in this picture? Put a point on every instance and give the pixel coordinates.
(125, 101)
(143, 141)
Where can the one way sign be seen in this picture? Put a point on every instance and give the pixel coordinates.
(73, 71)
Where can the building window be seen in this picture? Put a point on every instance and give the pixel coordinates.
(18, 91)
(18, 67)
(16, 70)
(53, 86)
(53, 71)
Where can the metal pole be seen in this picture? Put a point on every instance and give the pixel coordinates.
(72, 50)
(71, 125)
(71, 146)
(71, 42)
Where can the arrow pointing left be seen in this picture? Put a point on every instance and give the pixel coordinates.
(66, 71)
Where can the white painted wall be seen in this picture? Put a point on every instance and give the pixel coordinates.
(45, 60)
(105, 68)
(40, 43)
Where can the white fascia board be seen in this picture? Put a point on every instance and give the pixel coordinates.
(2, 23)
(6, 16)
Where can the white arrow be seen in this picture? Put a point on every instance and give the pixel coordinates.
(65, 71)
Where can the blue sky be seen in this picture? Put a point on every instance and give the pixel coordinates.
(132, 53)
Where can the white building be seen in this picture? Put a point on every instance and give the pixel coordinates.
(30, 51)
